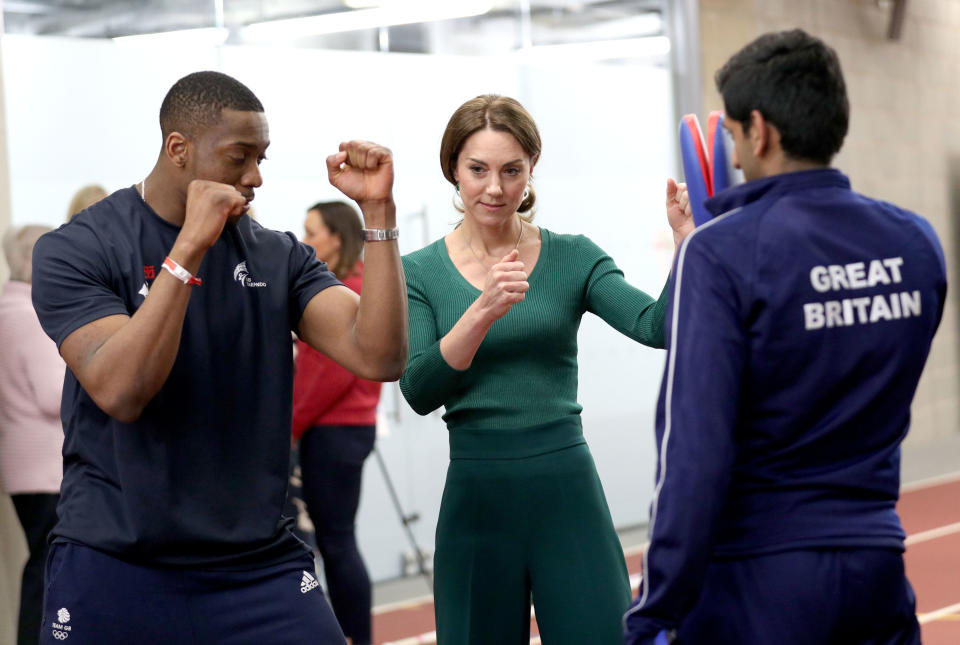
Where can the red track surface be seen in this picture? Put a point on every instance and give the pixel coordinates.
(933, 559)
(931, 517)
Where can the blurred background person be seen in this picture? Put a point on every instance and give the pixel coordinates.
(334, 419)
(31, 436)
(84, 198)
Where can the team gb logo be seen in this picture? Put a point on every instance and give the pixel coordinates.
(241, 275)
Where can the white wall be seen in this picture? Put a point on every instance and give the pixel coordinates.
(608, 137)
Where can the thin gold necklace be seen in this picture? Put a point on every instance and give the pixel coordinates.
(477, 257)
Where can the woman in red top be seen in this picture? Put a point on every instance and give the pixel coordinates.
(334, 418)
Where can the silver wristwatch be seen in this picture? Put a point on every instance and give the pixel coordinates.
(380, 234)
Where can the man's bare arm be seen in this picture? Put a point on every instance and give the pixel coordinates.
(368, 335)
(123, 361)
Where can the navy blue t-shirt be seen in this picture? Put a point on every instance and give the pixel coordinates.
(201, 477)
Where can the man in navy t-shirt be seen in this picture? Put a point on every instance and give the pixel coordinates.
(801, 318)
(173, 310)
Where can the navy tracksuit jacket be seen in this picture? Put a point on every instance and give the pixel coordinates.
(800, 321)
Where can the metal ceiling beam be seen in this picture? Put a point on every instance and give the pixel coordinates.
(111, 18)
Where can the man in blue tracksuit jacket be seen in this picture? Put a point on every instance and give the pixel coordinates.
(801, 318)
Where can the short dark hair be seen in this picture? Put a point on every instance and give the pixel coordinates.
(196, 100)
(795, 82)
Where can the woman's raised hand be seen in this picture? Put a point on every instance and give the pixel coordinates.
(679, 212)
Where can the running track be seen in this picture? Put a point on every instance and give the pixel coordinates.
(930, 512)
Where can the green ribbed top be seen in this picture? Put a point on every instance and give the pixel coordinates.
(525, 371)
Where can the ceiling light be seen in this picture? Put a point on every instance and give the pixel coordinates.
(649, 47)
(28, 8)
(210, 36)
(398, 13)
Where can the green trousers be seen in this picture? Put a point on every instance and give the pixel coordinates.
(523, 514)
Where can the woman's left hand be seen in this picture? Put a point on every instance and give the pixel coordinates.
(679, 213)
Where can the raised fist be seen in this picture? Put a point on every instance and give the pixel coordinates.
(679, 212)
(363, 171)
(506, 285)
(209, 204)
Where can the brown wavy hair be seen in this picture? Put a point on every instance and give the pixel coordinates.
(343, 220)
(500, 113)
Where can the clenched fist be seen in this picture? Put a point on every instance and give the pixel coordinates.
(363, 171)
(679, 212)
(209, 204)
(506, 286)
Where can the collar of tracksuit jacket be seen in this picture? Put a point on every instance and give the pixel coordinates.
(751, 191)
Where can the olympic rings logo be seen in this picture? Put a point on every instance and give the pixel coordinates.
(59, 635)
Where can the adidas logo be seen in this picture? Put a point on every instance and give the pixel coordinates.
(308, 582)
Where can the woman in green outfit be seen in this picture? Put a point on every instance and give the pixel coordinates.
(494, 312)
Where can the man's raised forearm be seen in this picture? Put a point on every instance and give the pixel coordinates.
(381, 328)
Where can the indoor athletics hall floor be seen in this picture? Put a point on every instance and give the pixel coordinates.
(929, 509)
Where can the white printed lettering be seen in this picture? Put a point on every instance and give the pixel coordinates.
(894, 265)
(813, 315)
(834, 313)
(865, 310)
(910, 303)
(847, 312)
(838, 277)
(855, 275)
(879, 309)
(820, 279)
(861, 305)
(877, 275)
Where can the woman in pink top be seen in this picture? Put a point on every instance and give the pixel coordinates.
(31, 436)
(334, 418)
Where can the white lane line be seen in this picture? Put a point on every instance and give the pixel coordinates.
(931, 616)
(422, 639)
(922, 484)
(932, 534)
(400, 605)
(413, 603)
(428, 638)
(930, 482)
(916, 538)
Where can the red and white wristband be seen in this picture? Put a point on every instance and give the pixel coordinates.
(180, 273)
